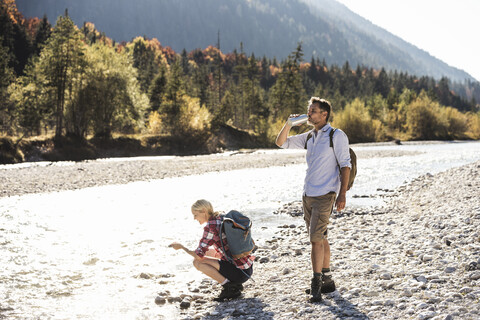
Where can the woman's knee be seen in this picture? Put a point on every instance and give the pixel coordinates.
(196, 264)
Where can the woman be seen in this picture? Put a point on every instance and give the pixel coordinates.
(229, 275)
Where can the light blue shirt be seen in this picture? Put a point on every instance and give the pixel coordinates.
(323, 175)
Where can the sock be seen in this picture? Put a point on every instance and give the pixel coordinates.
(317, 274)
(326, 272)
(225, 282)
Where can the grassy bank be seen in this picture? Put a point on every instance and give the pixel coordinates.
(47, 148)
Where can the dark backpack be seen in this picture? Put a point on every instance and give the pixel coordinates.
(353, 157)
(237, 228)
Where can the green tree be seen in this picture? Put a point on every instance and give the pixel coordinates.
(382, 83)
(144, 59)
(201, 84)
(111, 99)
(6, 78)
(62, 61)
(43, 32)
(226, 112)
(31, 101)
(239, 76)
(175, 92)
(377, 107)
(287, 94)
(157, 89)
(255, 107)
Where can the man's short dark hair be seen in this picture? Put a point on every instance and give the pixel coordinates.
(322, 104)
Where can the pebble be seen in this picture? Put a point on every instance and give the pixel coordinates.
(160, 300)
(450, 269)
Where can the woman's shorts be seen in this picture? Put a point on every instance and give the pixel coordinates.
(234, 274)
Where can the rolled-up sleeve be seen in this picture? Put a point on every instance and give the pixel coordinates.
(295, 142)
(206, 241)
(341, 148)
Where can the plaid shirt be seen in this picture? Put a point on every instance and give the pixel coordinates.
(211, 237)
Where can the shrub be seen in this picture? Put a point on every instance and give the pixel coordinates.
(473, 120)
(424, 121)
(356, 122)
(193, 118)
(154, 123)
(457, 122)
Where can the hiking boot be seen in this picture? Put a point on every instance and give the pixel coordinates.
(315, 289)
(328, 284)
(230, 291)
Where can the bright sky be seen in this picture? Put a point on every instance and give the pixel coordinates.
(447, 29)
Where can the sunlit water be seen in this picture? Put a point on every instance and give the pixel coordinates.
(79, 254)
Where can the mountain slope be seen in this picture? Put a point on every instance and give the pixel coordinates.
(381, 48)
(327, 29)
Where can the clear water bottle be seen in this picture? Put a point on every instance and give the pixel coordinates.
(301, 119)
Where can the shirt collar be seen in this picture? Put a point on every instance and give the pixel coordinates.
(324, 129)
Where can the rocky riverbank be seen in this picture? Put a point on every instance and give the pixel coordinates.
(418, 257)
(41, 177)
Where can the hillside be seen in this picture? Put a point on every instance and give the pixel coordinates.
(378, 47)
(327, 29)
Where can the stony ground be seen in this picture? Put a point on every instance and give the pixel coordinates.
(416, 258)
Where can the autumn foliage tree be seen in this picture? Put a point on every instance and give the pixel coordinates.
(79, 82)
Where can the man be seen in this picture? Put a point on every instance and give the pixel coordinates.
(323, 182)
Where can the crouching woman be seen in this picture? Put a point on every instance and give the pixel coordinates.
(214, 263)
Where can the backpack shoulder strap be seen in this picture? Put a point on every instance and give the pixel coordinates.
(308, 138)
(222, 231)
(331, 136)
(332, 131)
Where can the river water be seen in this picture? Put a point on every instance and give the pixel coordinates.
(81, 254)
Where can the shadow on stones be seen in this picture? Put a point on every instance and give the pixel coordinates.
(240, 308)
(345, 309)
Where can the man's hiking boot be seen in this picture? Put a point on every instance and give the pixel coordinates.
(315, 290)
(230, 291)
(328, 284)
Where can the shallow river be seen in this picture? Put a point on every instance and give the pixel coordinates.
(79, 254)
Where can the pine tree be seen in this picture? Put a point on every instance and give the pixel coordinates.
(174, 93)
(157, 89)
(44, 32)
(200, 83)
(288, 95)
(144, 61)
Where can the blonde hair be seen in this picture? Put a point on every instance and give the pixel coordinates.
(202, 204)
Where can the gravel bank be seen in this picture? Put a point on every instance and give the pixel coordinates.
(416, 258)
(58, 176)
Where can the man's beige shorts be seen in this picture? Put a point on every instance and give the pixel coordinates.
(317, 212)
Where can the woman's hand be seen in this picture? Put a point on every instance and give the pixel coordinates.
(175, 245)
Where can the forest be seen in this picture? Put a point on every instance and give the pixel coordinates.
(63, 81)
